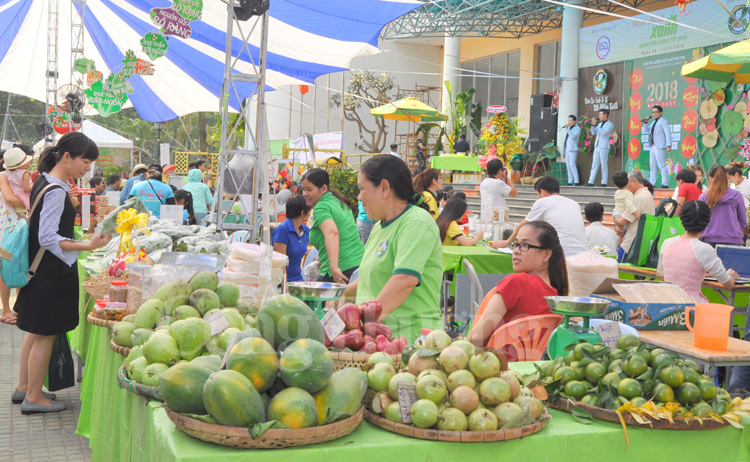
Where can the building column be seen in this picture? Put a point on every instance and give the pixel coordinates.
(568, 99)
(451, 67)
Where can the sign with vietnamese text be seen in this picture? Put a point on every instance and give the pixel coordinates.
(496, 109)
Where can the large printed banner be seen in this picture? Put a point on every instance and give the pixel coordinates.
(657, 81)
(626, 39)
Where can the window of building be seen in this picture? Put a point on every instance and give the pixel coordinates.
(495, 80)
(547, 65)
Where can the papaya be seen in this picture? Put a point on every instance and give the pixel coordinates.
(248, 333)
(293, 407)
(256, 359)
(231, 399)
(343, 395)
(211, 362)
(182, 387)
(284, 319)
(306, 364)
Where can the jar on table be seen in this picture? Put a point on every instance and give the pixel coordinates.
(118, 291)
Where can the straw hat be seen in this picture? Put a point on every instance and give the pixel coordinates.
(14, 158)
(136, 168)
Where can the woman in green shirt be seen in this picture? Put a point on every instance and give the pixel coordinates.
(403, 263)
(333, 232)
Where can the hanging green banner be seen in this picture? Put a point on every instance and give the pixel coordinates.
(105, 102)
(154, 45)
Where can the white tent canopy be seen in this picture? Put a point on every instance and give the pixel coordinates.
(103, 137)
(306, 39)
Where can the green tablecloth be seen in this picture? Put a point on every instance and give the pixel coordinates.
(484, 260)
(127, 428)
(466, 164)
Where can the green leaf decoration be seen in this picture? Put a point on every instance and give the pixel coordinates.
(581, 416)
(260, 428)
(154, 45)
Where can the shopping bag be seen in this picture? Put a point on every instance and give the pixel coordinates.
(649, 227)
(670, 227)
(666, 208)
(61, 371)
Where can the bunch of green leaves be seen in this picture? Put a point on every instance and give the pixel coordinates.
(457, 110)
(344, 180)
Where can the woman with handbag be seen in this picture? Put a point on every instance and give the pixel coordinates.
(48, 305)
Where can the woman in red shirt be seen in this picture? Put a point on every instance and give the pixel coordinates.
(539, 263)
(686, 189)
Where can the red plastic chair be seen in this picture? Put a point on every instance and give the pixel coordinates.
(525, 339)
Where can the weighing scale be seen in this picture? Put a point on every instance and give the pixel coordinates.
(315, 294)
(569, 333)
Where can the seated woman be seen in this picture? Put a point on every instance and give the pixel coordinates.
(539, 263)
(290, 237)
(447, 222)
(684, 260)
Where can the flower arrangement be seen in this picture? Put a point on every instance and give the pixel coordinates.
(501, 138)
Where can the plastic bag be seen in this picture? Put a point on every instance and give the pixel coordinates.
(110, 221)
(311, 272)
(587, 270)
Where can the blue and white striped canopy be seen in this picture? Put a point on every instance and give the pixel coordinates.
(307, 38)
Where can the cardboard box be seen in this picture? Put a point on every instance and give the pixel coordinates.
(645, 305)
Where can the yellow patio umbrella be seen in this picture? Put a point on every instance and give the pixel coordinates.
(721, 65)
(408, 109)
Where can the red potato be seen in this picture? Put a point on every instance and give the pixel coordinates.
(397, 346)
(402, 343)
(381, 342)
(370, 348)
(390, 349)
(369, 338)
(371, 311)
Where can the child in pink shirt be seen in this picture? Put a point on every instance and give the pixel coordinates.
(17, 165)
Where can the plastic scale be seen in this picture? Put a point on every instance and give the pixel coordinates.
(570, 332)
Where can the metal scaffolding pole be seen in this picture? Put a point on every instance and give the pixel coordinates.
(52, 74)
(77, 11)
(256, 139)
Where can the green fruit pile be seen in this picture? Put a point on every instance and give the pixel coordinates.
(458, 388)
(280, 372)
(632, 375)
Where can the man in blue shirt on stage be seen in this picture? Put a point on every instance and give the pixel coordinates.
(603, 130)
(570, 150)
(660, 139)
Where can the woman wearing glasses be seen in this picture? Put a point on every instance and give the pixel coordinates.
(539, 263)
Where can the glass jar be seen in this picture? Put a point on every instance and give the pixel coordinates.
(100, 308)
(115, 311)
(118, 291)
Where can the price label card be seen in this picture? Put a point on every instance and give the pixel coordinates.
(232, 342)
(332, 324)
(171, 212)
(113, 198)
(218, 323)
(407, 396)
(85, 212)
(609, 332)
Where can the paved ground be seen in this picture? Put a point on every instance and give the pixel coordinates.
(40, 437)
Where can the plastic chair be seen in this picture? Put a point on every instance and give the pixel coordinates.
(476, 289)
(525, 339)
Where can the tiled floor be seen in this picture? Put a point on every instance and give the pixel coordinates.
(41, 437)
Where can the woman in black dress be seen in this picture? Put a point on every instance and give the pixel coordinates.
(48, 305)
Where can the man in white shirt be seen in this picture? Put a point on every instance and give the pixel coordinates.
(660, 141)
(597, 234)
(394, 150)
(644, 202)
(562, 213)
(494, 189)
(570, 150)
(603, 131)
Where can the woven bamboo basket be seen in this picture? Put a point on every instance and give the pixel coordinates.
(240, 437)
(139, 389)
(455, 437)
(343, 360)
(97, 286)
(99, 322)
(611, 416)
(119, 349)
